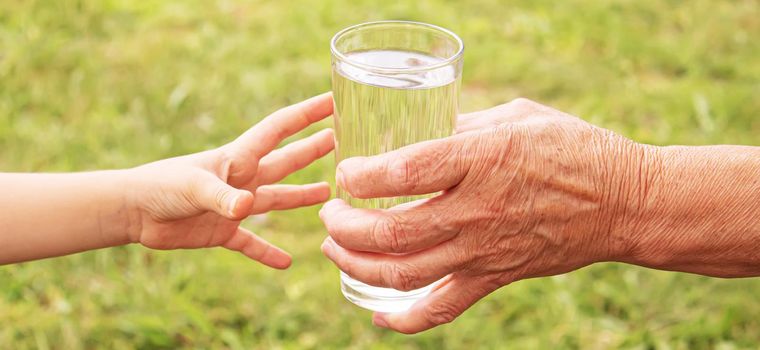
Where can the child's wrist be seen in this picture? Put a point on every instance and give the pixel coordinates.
(125, 222)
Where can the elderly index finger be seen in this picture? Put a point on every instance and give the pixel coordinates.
(421, 168)
(389, 231)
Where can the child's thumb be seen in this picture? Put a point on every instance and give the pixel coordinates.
(217, 196)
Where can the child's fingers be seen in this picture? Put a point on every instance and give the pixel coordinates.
(213, 194)
(263, 137)
(258, 249)
(295, 156)
(280, 197)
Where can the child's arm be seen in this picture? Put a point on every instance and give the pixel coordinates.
(193, 201)
(43, 215)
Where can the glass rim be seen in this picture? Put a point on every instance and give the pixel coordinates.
(378, 69)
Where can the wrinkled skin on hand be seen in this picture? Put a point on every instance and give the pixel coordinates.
(528, 191)
(199, 200)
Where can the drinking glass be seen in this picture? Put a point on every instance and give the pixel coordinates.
(395, 83)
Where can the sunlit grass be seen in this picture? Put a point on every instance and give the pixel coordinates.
(94, 84)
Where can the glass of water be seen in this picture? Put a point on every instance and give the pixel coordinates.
(394, 83)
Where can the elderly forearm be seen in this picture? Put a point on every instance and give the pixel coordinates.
(702, 212)
(44, 215)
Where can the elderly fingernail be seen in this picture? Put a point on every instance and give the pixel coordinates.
(339, 178)
(327, 248)
(379, 321)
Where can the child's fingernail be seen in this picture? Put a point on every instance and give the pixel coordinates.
(379, 320)
(233, 203)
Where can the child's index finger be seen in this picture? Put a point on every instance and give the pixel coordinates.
(263, 137)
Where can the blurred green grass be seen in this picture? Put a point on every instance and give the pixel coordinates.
(95, 84)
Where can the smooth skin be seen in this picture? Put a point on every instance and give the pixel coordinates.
(529, 191)
(193, 201)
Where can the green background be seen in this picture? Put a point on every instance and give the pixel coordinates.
(115, 83)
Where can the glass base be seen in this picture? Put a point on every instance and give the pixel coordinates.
(380, 299)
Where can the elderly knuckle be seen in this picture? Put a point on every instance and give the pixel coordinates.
(404, 173)
(389, 236)
(522, 103)
(402, 277)
(441, 313)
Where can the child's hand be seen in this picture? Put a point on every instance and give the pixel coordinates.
(198, 200)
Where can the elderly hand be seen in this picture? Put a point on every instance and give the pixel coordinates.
(528, 191)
